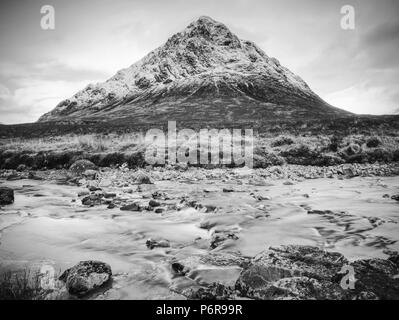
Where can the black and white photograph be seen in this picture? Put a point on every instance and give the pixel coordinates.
(223, 151)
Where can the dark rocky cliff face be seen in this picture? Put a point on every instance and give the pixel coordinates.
(203, 73)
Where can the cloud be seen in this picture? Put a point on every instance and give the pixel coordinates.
(383, 33)
(358, 70)
(47, 70)
(380, 45)
(29, 90)
(4, 92)
(365, 98)
(29, 102)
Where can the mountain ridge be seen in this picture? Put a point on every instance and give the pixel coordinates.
(203, 72)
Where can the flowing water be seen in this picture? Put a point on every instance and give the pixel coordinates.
(48, 225)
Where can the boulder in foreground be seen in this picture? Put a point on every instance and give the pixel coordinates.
(86, 276)
(292, 272)
(305, 272)
(297, 272)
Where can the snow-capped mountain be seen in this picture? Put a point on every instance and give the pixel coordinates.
(203, 73)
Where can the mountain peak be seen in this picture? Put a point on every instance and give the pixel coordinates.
(205, 20)
(206, 28)
(204, 69)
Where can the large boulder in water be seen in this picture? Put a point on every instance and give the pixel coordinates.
(305, 272)
(92, 200)
(80, 166)
(6, 195)
(86, 276)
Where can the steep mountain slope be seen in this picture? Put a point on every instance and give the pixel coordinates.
(203, 73)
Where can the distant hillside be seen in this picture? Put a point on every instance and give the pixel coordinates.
(386, 125)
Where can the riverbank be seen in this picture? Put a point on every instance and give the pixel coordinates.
(113, 150)
(122, 174)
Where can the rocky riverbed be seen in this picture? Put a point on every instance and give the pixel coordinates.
(195, 233)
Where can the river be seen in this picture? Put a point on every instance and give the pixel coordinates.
(48, 226)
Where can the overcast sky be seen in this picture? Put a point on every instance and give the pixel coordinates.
(357, 70)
